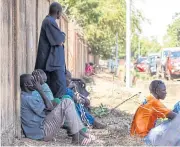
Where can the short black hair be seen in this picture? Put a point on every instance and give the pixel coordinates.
(41, 71)
(154, 85)
(23, 79)
(54, 8)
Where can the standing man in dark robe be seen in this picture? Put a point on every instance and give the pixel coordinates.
(50, 56)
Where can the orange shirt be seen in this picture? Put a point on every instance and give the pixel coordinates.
(146, 116)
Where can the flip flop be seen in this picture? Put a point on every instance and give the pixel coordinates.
(88, 135)
(83, 141)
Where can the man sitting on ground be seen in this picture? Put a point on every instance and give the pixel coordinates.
(40, 120)
(147, 114)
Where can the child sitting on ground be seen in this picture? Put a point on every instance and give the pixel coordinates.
(55, 101)
(46, 88)
(147, 114)
(40, 120)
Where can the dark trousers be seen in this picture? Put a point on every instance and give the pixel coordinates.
(57, 82)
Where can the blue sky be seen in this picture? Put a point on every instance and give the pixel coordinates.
(160, 13)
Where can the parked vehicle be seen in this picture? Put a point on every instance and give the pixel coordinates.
(152, 67)
(172, 66)
(141, 64)
(152, 63)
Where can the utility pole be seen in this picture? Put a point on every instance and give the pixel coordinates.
(139, 48)
(116, 60)
(128, 43)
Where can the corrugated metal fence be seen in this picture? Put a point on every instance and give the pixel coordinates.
(76, 49)
(20, 22)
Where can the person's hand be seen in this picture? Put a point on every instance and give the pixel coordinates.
(54, 103)
(79, 99)
(37, 73)
(64, 33)
(36, 81)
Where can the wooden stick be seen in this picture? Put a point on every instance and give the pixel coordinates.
(125, 101)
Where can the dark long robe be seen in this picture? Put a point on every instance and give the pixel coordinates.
(50, 56)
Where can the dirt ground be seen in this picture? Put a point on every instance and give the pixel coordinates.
(109, 91)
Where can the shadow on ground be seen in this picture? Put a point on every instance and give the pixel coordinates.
(116, 133)
(108, 92)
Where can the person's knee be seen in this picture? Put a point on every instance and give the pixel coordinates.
(67, 101)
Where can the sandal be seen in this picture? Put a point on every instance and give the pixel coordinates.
(83, 141)
(86, 141)
(88, 135)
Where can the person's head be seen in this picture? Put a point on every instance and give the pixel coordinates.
(68, 77)
(43, 78)
(26, 83)
(158, 89)
(55, 10)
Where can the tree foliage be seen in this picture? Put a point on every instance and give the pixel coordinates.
(149, 46)
(101, 20)
(172, 38)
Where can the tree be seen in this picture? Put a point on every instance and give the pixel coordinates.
(101, 20)
(149, 46)
(172, 38)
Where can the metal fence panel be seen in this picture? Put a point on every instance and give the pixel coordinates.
(7, 68)
(20, 24)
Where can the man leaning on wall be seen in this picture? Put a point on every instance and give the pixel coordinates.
(50, 56)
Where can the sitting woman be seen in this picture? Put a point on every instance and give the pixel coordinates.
(87, 69)
(145, 125)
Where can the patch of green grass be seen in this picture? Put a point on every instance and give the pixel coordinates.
(100, 111)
